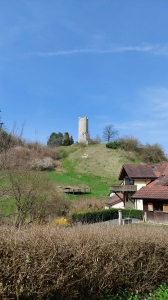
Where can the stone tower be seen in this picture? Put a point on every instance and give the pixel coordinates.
(83, 132)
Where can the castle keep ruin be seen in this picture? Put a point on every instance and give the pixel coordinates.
(83, 132)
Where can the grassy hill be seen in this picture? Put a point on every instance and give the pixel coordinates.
(95, 166)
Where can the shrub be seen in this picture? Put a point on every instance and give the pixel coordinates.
(34, 196)
(61, 222)
(94, 141)
(114, 145)
(105, 215)
(81, 262)
(129, 143)
(46, 163)
(152, 153)
(87, 204)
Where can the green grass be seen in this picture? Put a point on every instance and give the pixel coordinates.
(99, 184)
(159, 294)
(7, 207)
(98, 171)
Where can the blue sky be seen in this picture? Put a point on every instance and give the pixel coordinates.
(104, 59)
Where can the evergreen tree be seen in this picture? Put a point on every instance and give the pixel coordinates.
(55, 139)
(67, 139)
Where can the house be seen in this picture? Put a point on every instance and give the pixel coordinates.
(145, 187)
(116, 201)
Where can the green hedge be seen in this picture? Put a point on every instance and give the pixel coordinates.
(106, 215)
(114, 145)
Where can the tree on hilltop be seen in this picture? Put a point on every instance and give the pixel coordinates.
(109, 133)
(55, 139)
(60, 139)
(67, 140)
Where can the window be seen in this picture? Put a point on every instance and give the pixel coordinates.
(128, 180)
(159, 206)
(150, 206)
(165, 208)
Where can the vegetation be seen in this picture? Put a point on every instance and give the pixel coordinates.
(105, 215)
(109, 133)
(60, 139)
(27, 195)
(45, 256)
(34, 197)
(83, 262)
(146, 153)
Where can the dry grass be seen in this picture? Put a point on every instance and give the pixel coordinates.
(81, 261)
(86, 204)
(100, 161)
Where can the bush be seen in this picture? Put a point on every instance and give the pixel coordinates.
(44, 164)
(94, 141)
(114, 145)
(105, 215)
(34, 197)
(152, 153)
(61, 222)
(129, 143)
(81, 262)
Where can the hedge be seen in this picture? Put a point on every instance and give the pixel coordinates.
(105, 215)
(82, 262)
(114, 145)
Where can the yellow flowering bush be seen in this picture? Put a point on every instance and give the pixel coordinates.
(61, 222)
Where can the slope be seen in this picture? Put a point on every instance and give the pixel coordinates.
(95, 166)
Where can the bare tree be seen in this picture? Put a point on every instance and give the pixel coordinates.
(109, 133)
(34, 196)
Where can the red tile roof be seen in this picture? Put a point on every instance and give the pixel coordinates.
(115, 199)
(137, 171)
(158, 173)
(162, 180)
(152, 192)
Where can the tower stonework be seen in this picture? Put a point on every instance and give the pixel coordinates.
(83, 132)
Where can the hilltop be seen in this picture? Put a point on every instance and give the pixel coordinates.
(97, 160)
(95, 166)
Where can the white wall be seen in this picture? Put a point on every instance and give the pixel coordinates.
(141, 182)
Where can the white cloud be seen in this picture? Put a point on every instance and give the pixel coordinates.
(155, 49)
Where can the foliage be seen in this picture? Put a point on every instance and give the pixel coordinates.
(55, 139)
(86, 204)
(34, 196)
(61, 222)
(93, 141)
(109, 133)
(129, 143)
(83, 262)
(1, 123)
(147, 153)
(152, 153)
(114, 145)
(60, 139)
(105, 215)
(47, 163)
(124, 294)
(67, 140)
